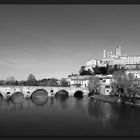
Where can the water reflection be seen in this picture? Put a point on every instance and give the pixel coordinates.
(51, 99)
(39, 101)
(75, 115)
(39, 97)
(105, 114)
(18, 106)
(62, 101)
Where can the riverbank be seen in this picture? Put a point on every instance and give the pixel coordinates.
(107, 98)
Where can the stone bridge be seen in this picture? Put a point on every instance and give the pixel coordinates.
(28, 90)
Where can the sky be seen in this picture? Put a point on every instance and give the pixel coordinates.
(56, 40)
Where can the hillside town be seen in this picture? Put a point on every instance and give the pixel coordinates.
(97, 75)
(129, 63)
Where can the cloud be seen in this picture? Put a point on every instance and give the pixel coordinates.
(6, 61)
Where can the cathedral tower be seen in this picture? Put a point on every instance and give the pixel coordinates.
(104, 54)
(118, 51)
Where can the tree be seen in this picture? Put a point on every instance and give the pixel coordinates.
(124, 85)
(52, 82)
(90, 72)
(16, 83)
(22, 83)
(71, 75)
(2, 82)
(119, 75)
(64, 83)
(31, 80)
(102, 70)
(43, 82)
(94, 84)
(11, 80)
(82, 71)
(96, 69)
(119, 85)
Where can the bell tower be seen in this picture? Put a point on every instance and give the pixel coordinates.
(104, 55)
(118, 50)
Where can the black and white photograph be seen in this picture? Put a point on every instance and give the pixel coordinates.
(69, 70)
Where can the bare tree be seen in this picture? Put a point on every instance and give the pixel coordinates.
(124, 85)
(31, 80)
(94, 84)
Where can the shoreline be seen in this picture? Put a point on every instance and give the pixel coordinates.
(107, 98)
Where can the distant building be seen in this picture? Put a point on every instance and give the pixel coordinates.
(120, 59)
(105, 83)
(131, 63)
(114, 58)
(59, 82)
(78, 81)
(93, 63)
(136, 73)
(90, 64)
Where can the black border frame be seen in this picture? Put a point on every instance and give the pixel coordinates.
(73, 2)
(69, 2)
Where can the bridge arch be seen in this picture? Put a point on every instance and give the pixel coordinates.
(62, 93)
(17, 97)
(78, 94)
(39, 97)
(8, 93)
(39, 92)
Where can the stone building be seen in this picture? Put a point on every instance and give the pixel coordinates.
(130, 62)
(78, 81)
(120, 59)
(105, 84)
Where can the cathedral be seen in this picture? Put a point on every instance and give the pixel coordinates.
(111, 54)
(130, 62)
(120, 59)
(115, 58)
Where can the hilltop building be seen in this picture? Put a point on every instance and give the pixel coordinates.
(130, 62)
(118, 58)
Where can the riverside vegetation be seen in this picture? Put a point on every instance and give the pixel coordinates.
(32, 81)
(125, 88)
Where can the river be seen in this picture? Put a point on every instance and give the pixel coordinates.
(68, 117)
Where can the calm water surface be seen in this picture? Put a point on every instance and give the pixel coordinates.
(70, 117)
